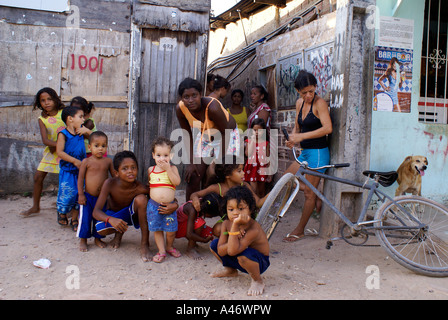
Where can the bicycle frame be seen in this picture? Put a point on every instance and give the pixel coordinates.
(373, 190)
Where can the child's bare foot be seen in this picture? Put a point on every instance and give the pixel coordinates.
(116, 241)
(29, 212)
(100, 243)
(83, 245)
(256, 288)
(144, 252)
(194, 254)
(225, 272)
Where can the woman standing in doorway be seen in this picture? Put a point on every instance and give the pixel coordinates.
(312, 125)
(203, 117)
(259, 107)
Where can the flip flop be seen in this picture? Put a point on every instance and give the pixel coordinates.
(74, 224)
(293, 238)
(311, 232)
(158, 258)
(62, 219)
(174, 252)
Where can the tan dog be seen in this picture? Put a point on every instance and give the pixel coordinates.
(410, 175)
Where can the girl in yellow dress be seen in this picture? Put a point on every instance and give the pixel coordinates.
(50, 124)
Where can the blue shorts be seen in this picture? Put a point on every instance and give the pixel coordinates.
(67, 191)
(250, 253)
(126, 214)
(316, 158)
(160, 222)
(86, 228)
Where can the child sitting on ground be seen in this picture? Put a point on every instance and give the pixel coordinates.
(243, 245)
(226, 177)
(92, 174)
(163, 179)
(126, 203)
(191, 223)
(70, 148)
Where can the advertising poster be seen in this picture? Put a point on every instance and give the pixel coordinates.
(392, 79)
(392, 83)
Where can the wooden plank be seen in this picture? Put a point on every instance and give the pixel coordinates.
(98, 98)
(145, 76)
(186, 5)
(107, 15)
(153, 72)
(173, 84)
(31, 58)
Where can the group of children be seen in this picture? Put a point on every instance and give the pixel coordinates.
(104, 196)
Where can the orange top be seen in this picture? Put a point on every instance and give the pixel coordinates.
(207, 124)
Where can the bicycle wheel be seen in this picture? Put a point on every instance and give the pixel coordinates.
(423, 250)
(277, 202)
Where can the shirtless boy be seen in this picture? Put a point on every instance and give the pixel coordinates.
(243, 245)
(92, 174)
(126, 203)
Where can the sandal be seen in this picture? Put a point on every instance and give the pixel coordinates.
(158, 258)
(174, 252)
(62, 217)
(74, 224)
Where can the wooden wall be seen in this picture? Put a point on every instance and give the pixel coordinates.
(83, 52)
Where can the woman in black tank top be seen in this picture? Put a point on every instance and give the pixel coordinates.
(312, 125)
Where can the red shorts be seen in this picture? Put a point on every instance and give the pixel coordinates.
(198, 223)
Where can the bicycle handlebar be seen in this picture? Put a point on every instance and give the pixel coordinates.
(305, 164)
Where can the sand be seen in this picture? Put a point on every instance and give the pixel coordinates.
(304, 270)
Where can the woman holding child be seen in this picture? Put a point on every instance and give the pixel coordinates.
(203, 118)
(312, 125)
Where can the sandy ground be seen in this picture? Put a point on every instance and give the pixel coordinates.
(304, 270)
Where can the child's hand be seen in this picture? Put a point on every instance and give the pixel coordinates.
(196, 204)
(118, 224)
(207, 239)
(168, 208)
(82, 130)
(82, 199)
(164, 165)
(242, 219)
(77, 163)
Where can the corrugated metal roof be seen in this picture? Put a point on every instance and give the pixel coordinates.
(246, 7)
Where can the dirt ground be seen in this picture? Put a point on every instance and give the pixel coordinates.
(304, 270)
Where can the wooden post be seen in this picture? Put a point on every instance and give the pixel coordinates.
(350, 103)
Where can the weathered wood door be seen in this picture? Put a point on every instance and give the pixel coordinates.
(167, 57)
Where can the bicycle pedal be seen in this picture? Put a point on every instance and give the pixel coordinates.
(329, 245)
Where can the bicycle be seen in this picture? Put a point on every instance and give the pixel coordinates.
(412, 229)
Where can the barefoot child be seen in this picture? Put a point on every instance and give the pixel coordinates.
(243, 245)
(163, 179)
(226, 176)
(126, 203)
(92, 174)
(50, 124)
(191, 223)
(70, 148)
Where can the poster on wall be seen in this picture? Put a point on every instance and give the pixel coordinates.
(393, 65)
(392, 79)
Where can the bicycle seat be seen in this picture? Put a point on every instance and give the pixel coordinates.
(386, 179)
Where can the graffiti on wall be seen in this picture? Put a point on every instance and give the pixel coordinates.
(319, 61)
(287, 70)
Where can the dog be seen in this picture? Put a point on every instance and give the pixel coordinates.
(410, 174)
